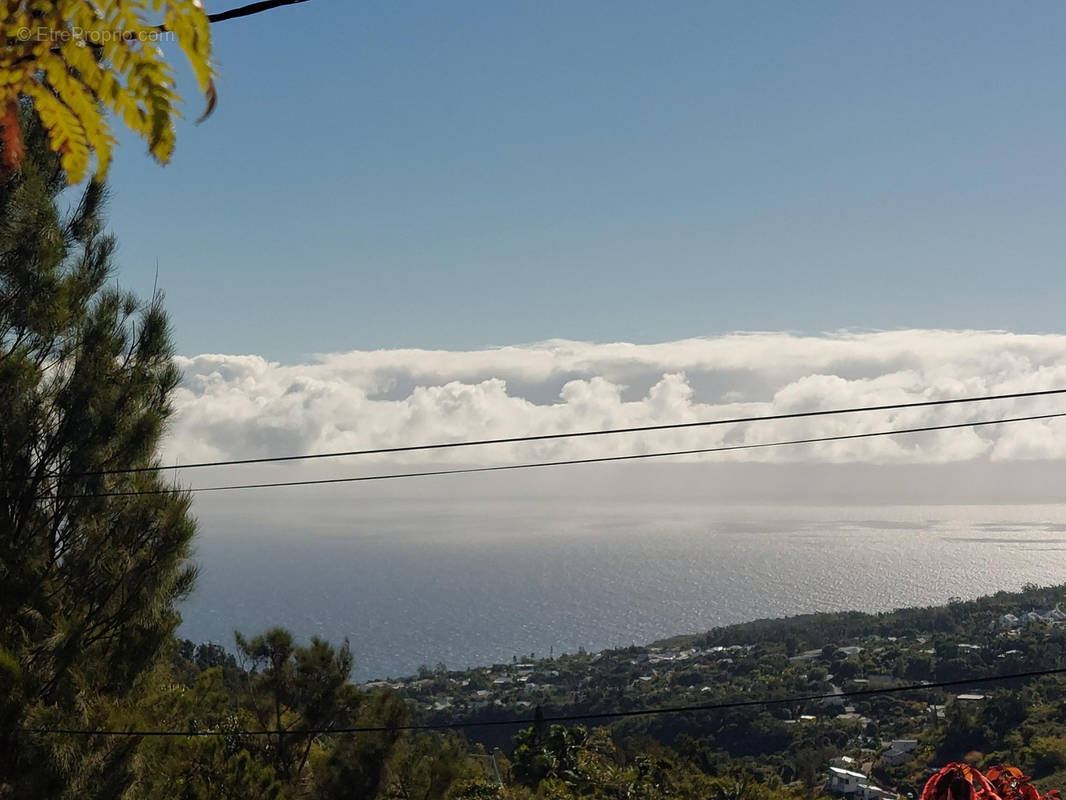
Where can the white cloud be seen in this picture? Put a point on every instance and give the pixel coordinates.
(246, 406)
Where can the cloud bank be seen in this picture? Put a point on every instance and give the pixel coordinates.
(238, 406)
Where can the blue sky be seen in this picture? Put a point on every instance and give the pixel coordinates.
(397, 174)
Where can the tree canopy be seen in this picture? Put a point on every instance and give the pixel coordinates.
(78, 60)
(89, 576)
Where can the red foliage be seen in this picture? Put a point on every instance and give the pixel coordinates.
(11, 138)
(1011, 784)
(959, 782)
(963, 782)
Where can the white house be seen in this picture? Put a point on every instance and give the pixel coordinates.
(855, 785)
(844, 781)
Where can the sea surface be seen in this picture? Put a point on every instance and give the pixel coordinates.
(424, 583)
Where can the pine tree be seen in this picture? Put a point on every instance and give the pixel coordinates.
(88, 581)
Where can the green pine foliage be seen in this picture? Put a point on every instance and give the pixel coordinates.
(89, 582)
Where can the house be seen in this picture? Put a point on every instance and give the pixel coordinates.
(899, 751)
(848, 783)
(851, 716)
(844, 781)
(807, 655)
(837, 697)
(844, 762)
(371, 685)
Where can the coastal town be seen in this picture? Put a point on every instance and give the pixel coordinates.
(881, 747)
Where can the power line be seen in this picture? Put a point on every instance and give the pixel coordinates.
(245, 10)
(560, 463)
(251, 8)
(572, 435)
(603, 715)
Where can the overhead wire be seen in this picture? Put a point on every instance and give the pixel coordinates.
(543, 437)
(557, 718)
(556, 463)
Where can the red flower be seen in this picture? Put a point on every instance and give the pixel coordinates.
(959, 782)
(1011, 784)
(963, 782)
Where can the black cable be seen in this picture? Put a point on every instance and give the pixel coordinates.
(643, 712)
(561, 463)
(551, 436)
(251, 8)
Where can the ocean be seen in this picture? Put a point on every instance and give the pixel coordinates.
(437, 582)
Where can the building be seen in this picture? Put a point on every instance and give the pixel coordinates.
(851, 784)
(844, 762)
(899, 751)
(1008, 621)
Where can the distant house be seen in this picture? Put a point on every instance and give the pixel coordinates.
(851, 784)
(382, 685)
(834, 700)
(899, 751)
(845, 781)
(808, 655)
(851, 716)
(969, 698)
(844, 762)
(1053, 616)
